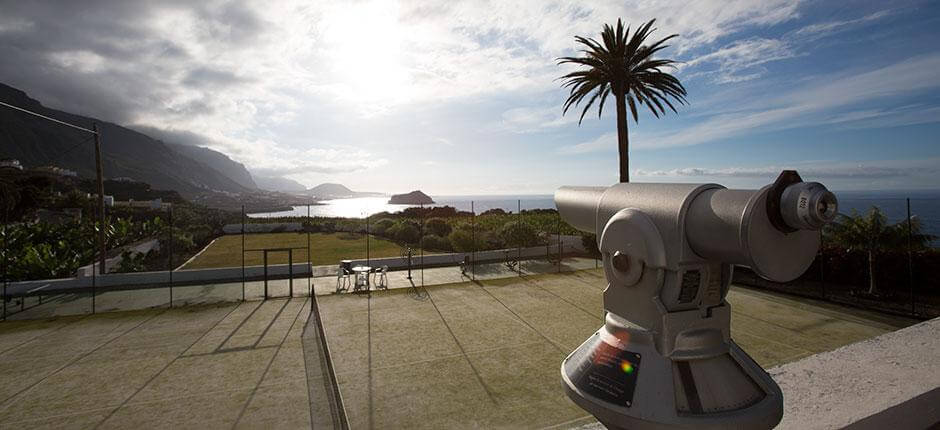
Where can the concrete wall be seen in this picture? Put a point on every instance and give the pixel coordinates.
(890, 381)
(142, 280)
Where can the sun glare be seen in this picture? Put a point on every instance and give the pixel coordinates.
(364, 42)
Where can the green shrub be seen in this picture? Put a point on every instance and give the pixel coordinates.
(462, 241)
(404, 232)
(435, 243)
(381, 226)
(519, 234)
(589, 242)
(437, 227)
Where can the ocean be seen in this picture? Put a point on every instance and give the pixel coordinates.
(925, 205)
(362, 207)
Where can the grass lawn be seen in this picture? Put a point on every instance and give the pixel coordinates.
(326, 248)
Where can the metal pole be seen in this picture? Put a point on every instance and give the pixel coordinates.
(558, 236)
(309, 258)
(368, 255)
(473, 243)
(910, 264)
(94, 273)
(519, 244)
(822, 268)
(100, 177)
(243, 253)
(290, 272)
(4, 262)
(265, 274)
(421, 245)
(170, 245)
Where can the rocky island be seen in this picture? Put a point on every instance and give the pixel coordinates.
(413, 198)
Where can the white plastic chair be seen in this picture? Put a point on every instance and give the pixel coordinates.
(381, 274)
(342, 279)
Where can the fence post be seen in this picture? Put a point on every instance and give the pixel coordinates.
(290, 272)
(473, 243)
(822, 268)
(910, 264)
(4, 262)
(309, 258)
(94, 271)
(558, 236)
(243, 253)
(519, 245)
(368, 255)
(424, 219)
(170, 245)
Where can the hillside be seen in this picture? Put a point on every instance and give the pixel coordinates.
(337, 191)
(232, 169)
(125, 153)
(276, 183)
(327, 191)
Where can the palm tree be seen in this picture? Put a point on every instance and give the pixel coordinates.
(871, 233)
(624, 66)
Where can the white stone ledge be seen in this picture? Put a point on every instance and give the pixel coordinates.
(890, 381)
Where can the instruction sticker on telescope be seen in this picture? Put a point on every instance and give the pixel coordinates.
(607, 372)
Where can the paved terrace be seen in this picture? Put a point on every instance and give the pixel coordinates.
(469, 354)
(487, 354)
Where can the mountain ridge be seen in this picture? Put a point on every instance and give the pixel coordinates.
(125, 152)
(330, 190)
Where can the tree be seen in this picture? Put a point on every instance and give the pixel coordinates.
(623, 66)
(871, 233)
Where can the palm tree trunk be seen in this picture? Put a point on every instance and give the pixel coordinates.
(872, 288)
(623, 141)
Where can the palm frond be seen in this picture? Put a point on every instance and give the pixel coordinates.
(620, 63)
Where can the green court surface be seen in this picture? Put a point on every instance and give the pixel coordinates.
(471, 354)
(326, 249)
(487, 354)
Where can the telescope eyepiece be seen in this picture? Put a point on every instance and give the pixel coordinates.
(808, 206)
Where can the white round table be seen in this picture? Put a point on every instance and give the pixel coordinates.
(362, 275)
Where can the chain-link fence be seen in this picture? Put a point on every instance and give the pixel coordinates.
(880, 255)
(167, 253)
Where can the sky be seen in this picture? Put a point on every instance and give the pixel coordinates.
(456, 97)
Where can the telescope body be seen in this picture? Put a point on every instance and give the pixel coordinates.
(665, 357)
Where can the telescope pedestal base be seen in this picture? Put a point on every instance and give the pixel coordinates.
(618, 376)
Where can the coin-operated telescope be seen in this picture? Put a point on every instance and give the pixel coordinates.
(664, 357)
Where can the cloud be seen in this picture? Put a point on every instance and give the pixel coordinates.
(529, 119)
(814, 31)
(281, 85)
(819, 170)
(741, 60)
(330, 161)
(604, 142)
(802, 106)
